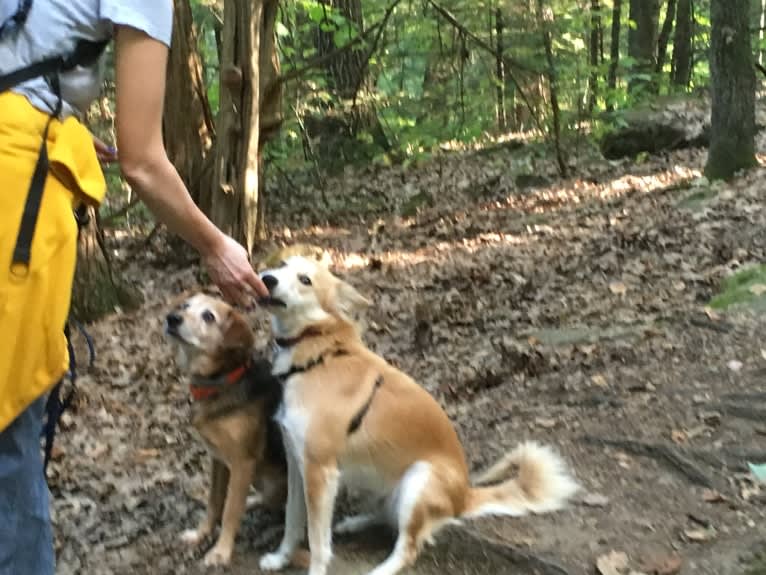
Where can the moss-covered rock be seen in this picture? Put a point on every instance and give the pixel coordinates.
(747, 287)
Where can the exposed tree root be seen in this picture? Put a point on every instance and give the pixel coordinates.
(669, 455)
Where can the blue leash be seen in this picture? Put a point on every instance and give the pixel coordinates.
(55, 406)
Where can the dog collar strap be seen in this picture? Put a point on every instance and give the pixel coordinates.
(311, 364)
(285, 342)
(211, 387)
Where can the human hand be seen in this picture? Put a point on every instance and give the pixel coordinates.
(230, 269)
(105, 153)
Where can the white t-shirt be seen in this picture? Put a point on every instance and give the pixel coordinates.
(53, 28)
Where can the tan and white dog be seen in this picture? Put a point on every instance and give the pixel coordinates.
(349, 415)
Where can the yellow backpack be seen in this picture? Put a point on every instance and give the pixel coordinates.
(48, 168)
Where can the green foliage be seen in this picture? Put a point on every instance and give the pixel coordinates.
(430, 83)
(746, 287)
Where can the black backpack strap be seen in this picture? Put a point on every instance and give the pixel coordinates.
(18, 18)
(23, 250)
(56, 405)
(85, 54)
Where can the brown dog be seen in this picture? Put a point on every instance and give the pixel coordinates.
(348, 415)
(235, 398)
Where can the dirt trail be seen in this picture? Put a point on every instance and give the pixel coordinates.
(572, 313)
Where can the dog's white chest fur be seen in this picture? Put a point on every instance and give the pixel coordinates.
(292, 416)
(282, 360)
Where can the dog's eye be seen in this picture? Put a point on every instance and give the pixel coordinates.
(304, 279)
(207, 316)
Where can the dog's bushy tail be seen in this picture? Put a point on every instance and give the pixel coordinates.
(542, 484)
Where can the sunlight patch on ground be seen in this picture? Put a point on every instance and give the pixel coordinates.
(315, 232)
(438, 252)
(573, 193)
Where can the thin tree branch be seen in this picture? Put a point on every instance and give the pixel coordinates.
(509, 62)
(374, 46)
(322, 59)
(450, 17)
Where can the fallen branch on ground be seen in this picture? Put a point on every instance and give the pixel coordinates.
(667, 454)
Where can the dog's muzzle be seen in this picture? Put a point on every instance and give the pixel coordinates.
(172, 322)
(270, 282)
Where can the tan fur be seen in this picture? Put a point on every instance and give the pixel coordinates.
(274, 258)
(404, 436)
(233, 430)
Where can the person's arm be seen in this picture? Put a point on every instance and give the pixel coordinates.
(140, 76)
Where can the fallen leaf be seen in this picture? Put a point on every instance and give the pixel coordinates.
(678, 436)
(96, 450)
(618, 288)
(141, 455)
(699, 535)
(663, 565)
(595, 500)
(614, 563)
(758, 289)
(545, 422)
(734, 365)
(693, 432)
(712, 314)
(712, 496)
(599, 380)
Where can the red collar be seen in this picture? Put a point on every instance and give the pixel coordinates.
(207, 388)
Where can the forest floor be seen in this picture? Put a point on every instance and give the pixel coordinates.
(574, 312)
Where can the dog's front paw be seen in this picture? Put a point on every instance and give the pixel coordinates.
(193, 536)
(274, 561)
(218, 556)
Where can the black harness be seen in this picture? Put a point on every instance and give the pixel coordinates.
(317, 361)
(85, 53)
(356, 421)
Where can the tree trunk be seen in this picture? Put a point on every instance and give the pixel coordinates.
(249, 115)
(732, 141)
(761, 31)
(545, 19)
(348, 77)
(614, 53)
(595, 36)
(188, 126)
(662, 42)
(500, 71)
(681, 69)
(347, 72)
(642, 45)
(97, 289)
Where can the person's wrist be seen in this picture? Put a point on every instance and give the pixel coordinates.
(210, 241)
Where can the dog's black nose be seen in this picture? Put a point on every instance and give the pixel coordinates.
(174, 320)
(270, 282)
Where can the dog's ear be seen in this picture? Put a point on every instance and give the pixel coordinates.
(236, 332)
(348, 300)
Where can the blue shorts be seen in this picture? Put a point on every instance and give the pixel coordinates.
(26, 538)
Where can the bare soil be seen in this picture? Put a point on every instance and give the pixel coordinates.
(573, 313)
